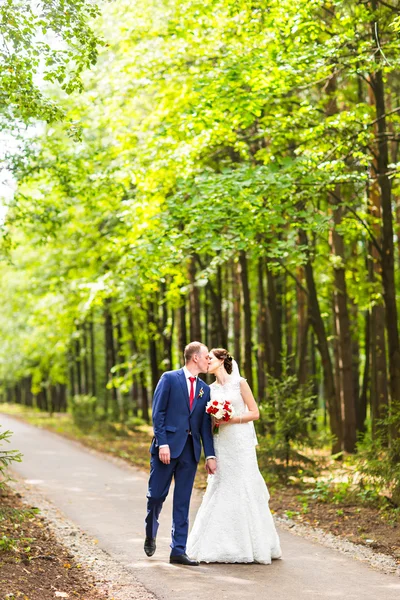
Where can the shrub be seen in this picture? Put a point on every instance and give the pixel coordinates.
(133, 423)
(286, 416)
(83, 411)
(7, 457)
(378, 459)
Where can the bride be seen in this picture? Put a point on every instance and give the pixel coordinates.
(234, 523)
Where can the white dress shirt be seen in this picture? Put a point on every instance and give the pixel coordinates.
(189, 383)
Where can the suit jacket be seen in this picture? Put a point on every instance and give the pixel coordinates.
(173, 419)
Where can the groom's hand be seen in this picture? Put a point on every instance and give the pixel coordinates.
(211, 466)
(165, 455)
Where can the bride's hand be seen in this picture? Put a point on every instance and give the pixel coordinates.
(220, 422)
(232, 421)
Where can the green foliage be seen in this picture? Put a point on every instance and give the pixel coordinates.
(287, 414)
(7, 457)
(320, 492)
(51, 41)
(291, 514)
(203, 132)
(344, 492)
(378, 459)
(83, 411)
(14, 517)
(90, 419)
(7, 543)
(133, 423)
(205, 149)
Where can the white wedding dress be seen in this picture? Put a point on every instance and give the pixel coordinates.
(234, 523)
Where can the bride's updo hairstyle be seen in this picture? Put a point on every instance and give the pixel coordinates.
(224, 355)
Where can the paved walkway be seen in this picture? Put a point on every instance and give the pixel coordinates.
(108, 502)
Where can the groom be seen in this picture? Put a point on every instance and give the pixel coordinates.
(179, 422)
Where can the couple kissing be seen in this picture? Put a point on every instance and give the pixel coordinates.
(234, 523)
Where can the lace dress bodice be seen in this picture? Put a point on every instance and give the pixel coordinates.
(229, 391)
(243, 433)
(234, 523)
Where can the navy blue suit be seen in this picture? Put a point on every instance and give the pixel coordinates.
(182, 429)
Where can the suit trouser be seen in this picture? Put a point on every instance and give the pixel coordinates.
(183, 469)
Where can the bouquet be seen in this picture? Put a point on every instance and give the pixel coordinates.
(220, 409)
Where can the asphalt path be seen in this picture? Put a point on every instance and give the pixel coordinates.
(108, 502)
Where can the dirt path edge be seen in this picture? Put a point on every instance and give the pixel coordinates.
(111, 577)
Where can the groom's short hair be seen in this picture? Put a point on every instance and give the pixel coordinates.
(192, 349)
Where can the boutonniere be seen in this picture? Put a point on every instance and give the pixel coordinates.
(201, 393)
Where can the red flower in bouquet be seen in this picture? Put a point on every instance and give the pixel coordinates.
(221, 410)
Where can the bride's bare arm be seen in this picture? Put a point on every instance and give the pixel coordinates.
(253, 413)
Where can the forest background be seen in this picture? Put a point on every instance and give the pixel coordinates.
(227, 172)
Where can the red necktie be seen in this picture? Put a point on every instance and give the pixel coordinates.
(191, 396)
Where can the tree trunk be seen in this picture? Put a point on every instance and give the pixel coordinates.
(28, 391)
(379, 389)
(134, 352)
(262, 334)
(194, 300)
(121, 396)
(145, 397)
(355, 351)
(303, 360)
(45, 396)
(71, 369)
(212, 318)
(86, 387)
(302, 328)
(206, 316)
(290, 358)
(275, 309)
(363, 399)
(398, 229)
(218, 302)
(10, 396)
(167, 328)
(248, 344)
(17, 393)
(379, 397)
(314, 381)
(92, 358)
(52, 399)
(182, 328)
(237, 313)
(387, 257)
(78, 364)
(342, 320)
(336, 359)
(317, 322)
(110, 358)
(226, 286)
(153, 346)
(63, 397)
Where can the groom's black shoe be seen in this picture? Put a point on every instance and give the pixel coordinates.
(183, 559)
(150, 546)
